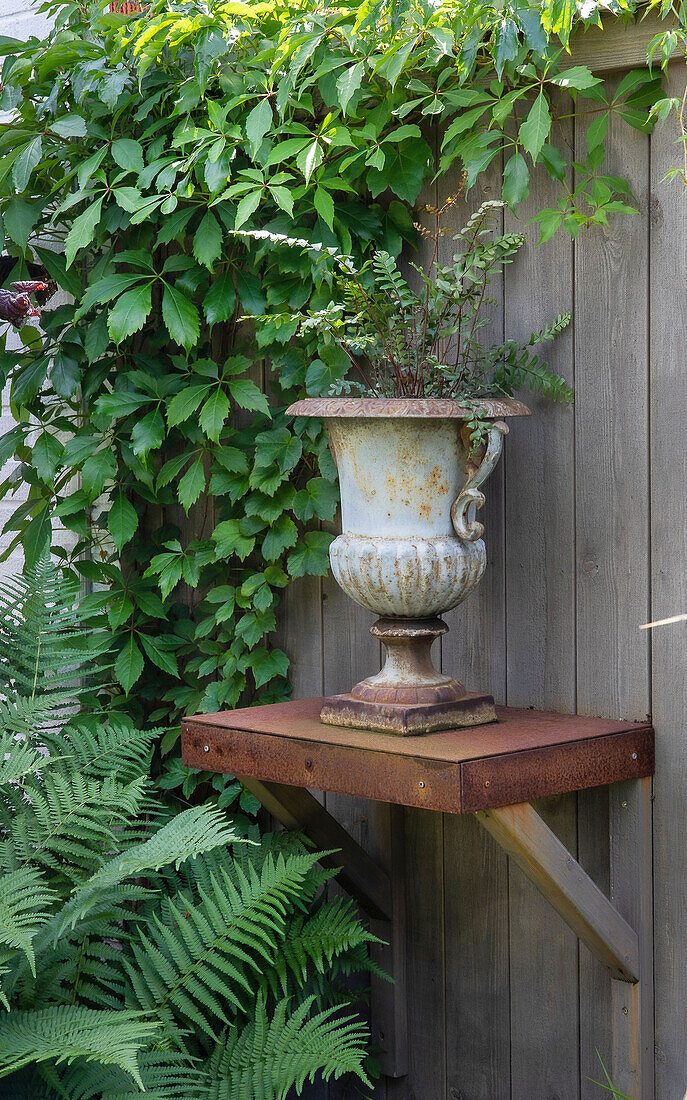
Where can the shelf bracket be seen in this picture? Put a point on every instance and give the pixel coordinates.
(536, 849)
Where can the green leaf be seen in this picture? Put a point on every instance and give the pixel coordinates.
(220, 300)
(536, 127)
(122, 520)
(207, 243)
(516, 177)
(250, 292)
(45, 456)
(266, 664)
(82, 231)
(159, 656)
(147, 434)
(191, 485)
(26, 162)
(69, 126)
(506, 45)
(578, 77)
(247, 395)
(130, 312)
(181, 317)
(247, 205)
(214, 414)
(96, 471)
(318, 500)
(27, 381)
(596, 132)
(311, 556)
(120, 611)
(553, 162)
(324, 204)
(258, 123)
(309, 159)
(185, 403)
(281, 535)
(347, 84)
(230, 540)
(128, 154)
(37, 536)
(129, 665)
(55, 265)
(65, 375)
(20, 217)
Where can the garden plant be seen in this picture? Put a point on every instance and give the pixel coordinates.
(143, 949)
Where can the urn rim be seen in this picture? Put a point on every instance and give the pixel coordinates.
(430, 408)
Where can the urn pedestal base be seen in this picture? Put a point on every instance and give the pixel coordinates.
(408, 696)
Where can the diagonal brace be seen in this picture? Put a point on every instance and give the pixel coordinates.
(538, 852)
(360, 876)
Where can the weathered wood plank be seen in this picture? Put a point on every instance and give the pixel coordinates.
(612, 489)
(617, 45)
(475, 875)
(540, 609)
(549, 865)
(631, 892)
(669, 596)
(477, 975)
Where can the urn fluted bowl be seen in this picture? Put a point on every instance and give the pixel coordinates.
(411, 546)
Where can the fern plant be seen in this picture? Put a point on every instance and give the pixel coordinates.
(388, 340)
(142, 949)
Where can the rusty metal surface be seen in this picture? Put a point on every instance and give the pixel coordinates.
(526, 754)
(537, 773)
(516, 729)
(432, 407)
(379, 776)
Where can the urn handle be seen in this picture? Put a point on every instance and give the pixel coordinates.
(470, 499)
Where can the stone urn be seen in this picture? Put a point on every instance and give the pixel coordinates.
(411, 547)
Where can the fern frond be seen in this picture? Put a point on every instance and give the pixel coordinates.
(63, 1033)
(316, 941)
(17, 758)
(390, 281)
(66, 822)
(166, 1075)
(205, 958)
(105, 746)
(198, 829)
(24, 902)
(266, 1058)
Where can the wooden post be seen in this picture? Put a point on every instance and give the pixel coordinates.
(632, 1071)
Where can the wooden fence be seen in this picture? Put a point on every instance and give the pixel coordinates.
(586, 533)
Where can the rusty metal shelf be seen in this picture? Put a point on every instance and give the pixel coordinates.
(526, 754)
(282, 752)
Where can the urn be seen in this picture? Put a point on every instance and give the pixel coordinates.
(411, 547)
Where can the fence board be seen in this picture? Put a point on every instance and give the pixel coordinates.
(669, 591)
(540, 523)
(612, 509)
(475, 876)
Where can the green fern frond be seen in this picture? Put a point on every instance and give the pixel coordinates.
(105, 747)
(193, 831)
(24, 903)
(318, 940)
(166, 1075)
(63, 1033)
(205, 958)
(390, 281)
(17, 758)
(66, 822)
(266, 1058)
